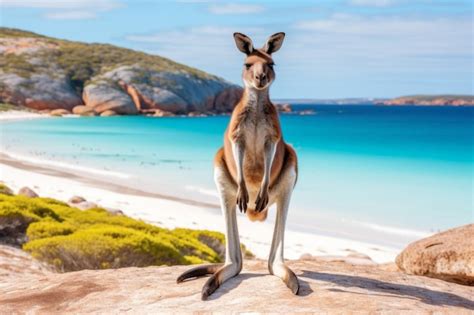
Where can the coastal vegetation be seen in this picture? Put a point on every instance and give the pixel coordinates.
(70, 239)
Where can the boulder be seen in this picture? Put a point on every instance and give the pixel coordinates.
(325, 288)
(284, 108)
(39, 91)
(225, 100)
(75, 200)
(85, 205)
(27, 192)
(448, 256)
(59, 112)
(5, 190)
(108, 113)
(105, 96)
(84, 110)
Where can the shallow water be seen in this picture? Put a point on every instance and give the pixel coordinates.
(403, 171)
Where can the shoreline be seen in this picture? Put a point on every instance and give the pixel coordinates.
(171, 212)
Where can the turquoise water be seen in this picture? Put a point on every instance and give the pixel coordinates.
(397, 169)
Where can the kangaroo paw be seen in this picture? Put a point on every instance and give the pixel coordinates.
(198, 271)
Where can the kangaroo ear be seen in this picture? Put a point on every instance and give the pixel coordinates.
(274, 43)
(244, 43)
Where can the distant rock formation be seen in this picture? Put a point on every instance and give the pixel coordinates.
(44, 73)
(430, 100)
(327, 286)
(448, 255)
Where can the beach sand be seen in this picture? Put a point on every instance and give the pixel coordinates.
(170, 212)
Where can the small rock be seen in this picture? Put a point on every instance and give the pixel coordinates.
(27, 192)
(85, 205)
(59, 112)
(306, 256)
(162, 113)
(76, 199)
(284, 108)
(84, 110)
(108, 113)
(114, 211)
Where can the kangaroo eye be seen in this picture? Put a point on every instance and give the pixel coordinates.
(247, 66)
(271, 65)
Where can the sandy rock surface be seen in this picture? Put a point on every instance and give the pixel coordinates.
(326, 287)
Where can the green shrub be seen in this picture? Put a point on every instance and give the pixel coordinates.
(45, 229)
(72, 239)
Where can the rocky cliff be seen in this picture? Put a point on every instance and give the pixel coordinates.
(326, 287)
(45, 73)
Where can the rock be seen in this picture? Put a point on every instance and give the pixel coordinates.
(38, 91)
(161, 113)
(196, 114)
(27, 192)
(47, 73)
(103, 96)
(226, 100)
(284, 108)
(84, 110)
(448, 256)
(5, 190)
(325, 288)
(114, 211)
(108, 113)
(85, 205)
(76, 199)
(59, 112)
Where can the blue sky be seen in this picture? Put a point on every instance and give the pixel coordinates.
(333, 49)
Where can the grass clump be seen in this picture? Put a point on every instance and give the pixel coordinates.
(71, 239)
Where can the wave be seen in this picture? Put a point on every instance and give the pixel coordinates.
(64, 165)
(204, 191)
(395, 231)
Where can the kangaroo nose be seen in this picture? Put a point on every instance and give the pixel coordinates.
(260, 76)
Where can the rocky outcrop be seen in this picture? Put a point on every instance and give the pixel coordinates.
(27, 192)
(448, 255)
(326, 287)
(46, 74)
(102, 96)
(38, 91)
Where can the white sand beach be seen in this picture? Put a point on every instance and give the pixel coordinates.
(12, 115)
(170, 212)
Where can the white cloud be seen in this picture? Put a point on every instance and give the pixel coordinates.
(235, 8)
(65, 9)
(372, 3)
(71, 15)
(62, 4)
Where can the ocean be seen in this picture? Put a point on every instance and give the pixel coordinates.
(376, 173)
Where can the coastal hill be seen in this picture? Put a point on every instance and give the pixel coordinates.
(45, 73)
(430, 100)
(326, 287)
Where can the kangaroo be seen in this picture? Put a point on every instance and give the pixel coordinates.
(254, 169)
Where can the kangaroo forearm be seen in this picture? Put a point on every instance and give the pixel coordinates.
(238, 150)
(269, 154)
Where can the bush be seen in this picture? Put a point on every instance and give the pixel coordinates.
(72, 239)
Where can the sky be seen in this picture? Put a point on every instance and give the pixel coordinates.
(332, 49)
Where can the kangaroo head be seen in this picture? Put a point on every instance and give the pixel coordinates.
(258, 66)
